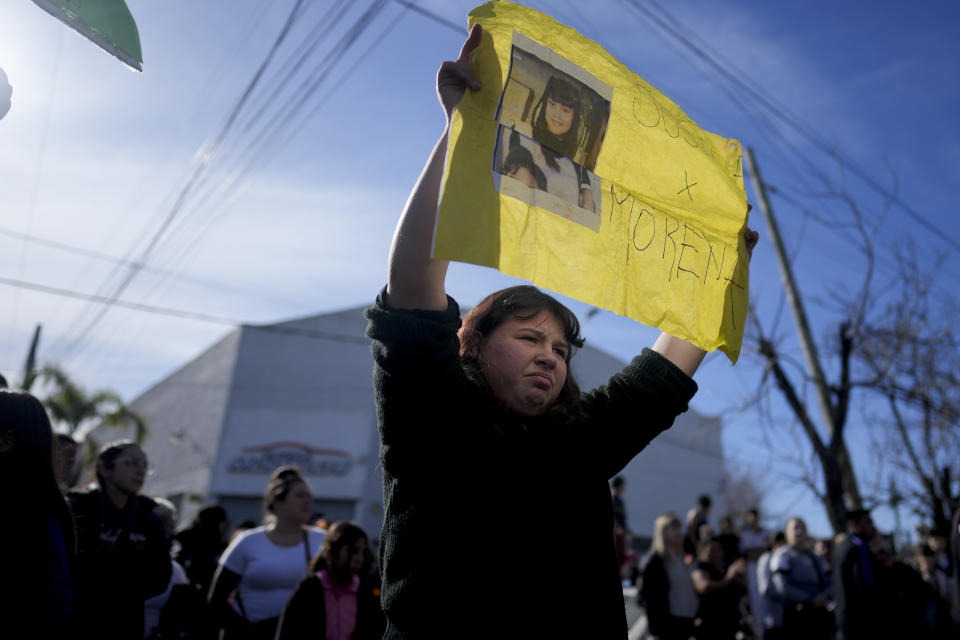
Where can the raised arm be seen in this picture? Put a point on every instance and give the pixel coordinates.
(415, 280)
(686, 356)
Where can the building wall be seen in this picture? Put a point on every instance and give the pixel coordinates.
(302, 393)
(184, 416)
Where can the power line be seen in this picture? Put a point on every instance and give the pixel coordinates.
(433, 16)
(178, 313)
(228, 188)
(793, 121)
(38, 170)
(272, 132)
(187, 188)
(276, 125)
(97, 255)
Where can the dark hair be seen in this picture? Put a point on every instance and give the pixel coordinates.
(65, 439)
(704, 501)
(853, 515)
(211, 516)
(777, 537)
(520, 157)
(563, 90)
(754, 511)
(704, 545)
(281, 481)
(108, 456)
(618, 482)
(340, 534)
(28, 466)
(3, 382)
(523, 302)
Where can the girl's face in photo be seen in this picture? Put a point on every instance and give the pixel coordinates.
(559, 117)
(524, 175)
(524, 362)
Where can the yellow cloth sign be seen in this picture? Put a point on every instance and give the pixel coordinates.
(569, 170)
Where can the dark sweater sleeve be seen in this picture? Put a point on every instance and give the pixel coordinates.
(624, 415)
(304, 615)
(418, 381)
(411, 340)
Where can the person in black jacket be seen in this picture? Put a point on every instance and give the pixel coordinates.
(667, 592)
(335, 585)
(123, 552)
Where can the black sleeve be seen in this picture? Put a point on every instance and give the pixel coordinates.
(304, 612)
(418, 382)
(635, 405)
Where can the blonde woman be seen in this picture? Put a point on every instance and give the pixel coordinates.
(667, 591)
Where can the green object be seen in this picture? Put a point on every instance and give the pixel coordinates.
(107, 23)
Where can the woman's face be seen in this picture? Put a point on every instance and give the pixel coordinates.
(297, 506)
(796, 533)
(712, 554)
(559, 117)
(673, 536)
(524, 362)
(128, 472)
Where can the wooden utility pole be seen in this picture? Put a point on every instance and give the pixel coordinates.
(834, 457)
(793, 294)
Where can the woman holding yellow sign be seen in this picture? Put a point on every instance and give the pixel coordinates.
(493, 405)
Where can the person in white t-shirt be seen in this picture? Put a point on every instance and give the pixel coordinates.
(264, 564)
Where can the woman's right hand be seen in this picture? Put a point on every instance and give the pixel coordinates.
(455, 76)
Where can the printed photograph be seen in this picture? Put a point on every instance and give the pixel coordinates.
(523, 168)
(553, 117)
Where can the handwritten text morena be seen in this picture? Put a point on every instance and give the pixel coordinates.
(687, 252)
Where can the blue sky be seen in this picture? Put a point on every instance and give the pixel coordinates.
(93, 155)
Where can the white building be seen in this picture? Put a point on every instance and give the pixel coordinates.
(301, 392)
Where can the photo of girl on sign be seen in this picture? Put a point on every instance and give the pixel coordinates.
(552, 122)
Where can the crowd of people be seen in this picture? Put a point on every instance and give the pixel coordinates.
(105, 561)
(784, 585)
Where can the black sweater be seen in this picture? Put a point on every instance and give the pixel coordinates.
(123, 559)
(497, 525)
